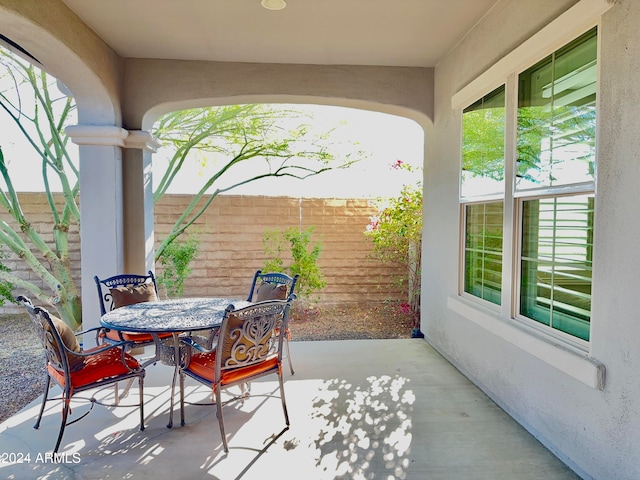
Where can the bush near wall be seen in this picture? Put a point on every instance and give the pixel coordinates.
(231, 249)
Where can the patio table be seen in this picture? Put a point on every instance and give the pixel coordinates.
(178, 316)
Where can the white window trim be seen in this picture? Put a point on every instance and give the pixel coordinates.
(578, 19)
(572, 358)
(574, 363)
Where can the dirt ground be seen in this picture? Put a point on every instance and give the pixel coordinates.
(22, 358)
(350, 322)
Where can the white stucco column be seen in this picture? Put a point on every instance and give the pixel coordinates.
(101, 227)
(138, 201)
(108, 216)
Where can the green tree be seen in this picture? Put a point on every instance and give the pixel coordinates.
(568, 125)
(258, 140)
(6, 288)
(235, 134)
(40, 112)
(483, 143)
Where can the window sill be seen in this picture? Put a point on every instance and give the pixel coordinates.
(572, 363)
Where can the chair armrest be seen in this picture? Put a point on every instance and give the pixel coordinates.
(100, 335)
(88, 330)
(99, 349)
(193, 343)
(124, 344)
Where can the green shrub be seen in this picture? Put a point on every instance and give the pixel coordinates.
(396, 234)
(6, 287)
(176, 260)
(304, 258)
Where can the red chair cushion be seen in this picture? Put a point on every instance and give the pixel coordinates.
(135, 336)
(203, 365)
(97, 367)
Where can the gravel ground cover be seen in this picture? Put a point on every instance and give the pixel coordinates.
(22, 377)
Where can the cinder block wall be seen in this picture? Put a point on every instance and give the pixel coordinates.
(231, 243)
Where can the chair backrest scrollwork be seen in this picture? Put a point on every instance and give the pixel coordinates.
(252, 334)
(272, 278)
(105, 285)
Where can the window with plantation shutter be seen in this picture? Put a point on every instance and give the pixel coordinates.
(556, 154)
(546, 183)
(482, 192)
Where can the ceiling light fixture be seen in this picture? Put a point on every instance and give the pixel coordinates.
(273, 4)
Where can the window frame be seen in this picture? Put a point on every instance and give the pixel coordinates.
(483, 199)
(574, 362)
(514, 199)
(519, 196)
(463, 252)
(541, 328)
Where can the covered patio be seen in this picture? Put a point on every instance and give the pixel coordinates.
(379, 409)
(369, 409)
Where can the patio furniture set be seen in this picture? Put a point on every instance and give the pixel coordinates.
(219, 342)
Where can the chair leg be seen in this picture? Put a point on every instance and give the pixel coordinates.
(141, 388)
(284, 402)
(221, 420)
(182, 399)
(116, 393)
(286, 342)
(45, 396)
(65, 412)
(125, 392)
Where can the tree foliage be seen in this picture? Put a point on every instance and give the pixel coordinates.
(483, 143)
(396, 233)
(176, 265)
(254, 139)
(573, 130)
(40, 112)
(304, 255)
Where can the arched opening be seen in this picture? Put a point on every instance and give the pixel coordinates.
(239, 249)
(89, 74)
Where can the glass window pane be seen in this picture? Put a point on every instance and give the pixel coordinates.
(483, 145)
(483, 251)
(556, 262)
(557, 117)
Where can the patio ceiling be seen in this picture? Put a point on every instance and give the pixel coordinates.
(415, 33)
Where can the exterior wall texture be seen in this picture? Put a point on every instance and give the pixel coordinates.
(594, 431)
(231, 233)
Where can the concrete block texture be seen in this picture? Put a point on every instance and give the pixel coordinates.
(231, 244)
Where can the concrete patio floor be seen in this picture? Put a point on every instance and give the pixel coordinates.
(362, 409)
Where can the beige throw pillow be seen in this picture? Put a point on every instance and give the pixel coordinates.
(71, 342)
(271, 291)
(123, 296)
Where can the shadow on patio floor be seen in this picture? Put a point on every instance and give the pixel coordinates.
(362, 409)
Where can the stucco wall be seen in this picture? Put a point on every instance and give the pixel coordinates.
(595, 431)
(231, 233)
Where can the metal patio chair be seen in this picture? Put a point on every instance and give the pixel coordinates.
(76, 370)
(274, 286)
(127, 289)
(249, 346)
